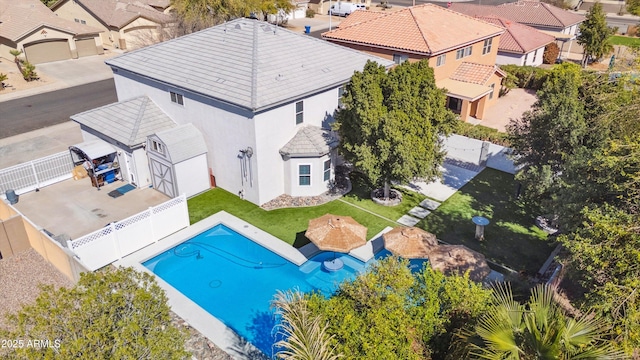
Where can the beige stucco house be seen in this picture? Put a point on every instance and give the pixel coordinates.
(461, 49)
(126, 24)
(29, 26)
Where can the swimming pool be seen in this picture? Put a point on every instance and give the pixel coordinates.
(234, 279)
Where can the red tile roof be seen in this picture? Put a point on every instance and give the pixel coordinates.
(426, 29)
(518, 38)
(533, 13)
(475, 73)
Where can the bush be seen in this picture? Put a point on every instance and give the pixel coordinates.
(28, 71)
(483, 133)
(310, 13)
(527, 77)
(3, 77)
(551, 53)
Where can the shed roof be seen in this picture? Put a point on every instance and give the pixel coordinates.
(519, 38)
(248, 63)
(532, 13)
(426, 29)
(310, 141)
(128, 122)
(20, 18)
(183, 142)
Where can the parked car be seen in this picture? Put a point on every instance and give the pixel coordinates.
(344, 9)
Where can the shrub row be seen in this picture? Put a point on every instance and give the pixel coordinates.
(483, 133)
(527, 77)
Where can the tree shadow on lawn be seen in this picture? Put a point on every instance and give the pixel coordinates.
(511, 239)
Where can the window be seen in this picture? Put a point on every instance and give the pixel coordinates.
(304, 175)
(83, 22)
(76, 20)
(493, 88)
(464, 52)
(534, 56)
(454, 104)
(176, 98)
(486, 48)
(299, 112)
(441, 59)
(340, 93)
(157, 147)
(525, 58)
(399, 58)
(327, 170)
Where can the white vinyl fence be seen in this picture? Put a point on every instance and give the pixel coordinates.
(36, 174)
(124, 237)
(479, 152)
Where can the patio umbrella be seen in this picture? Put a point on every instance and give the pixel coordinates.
(458, 258)
(409, 242)
(336, 233)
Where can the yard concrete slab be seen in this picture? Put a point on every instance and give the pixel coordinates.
(419, 212)
(75, 208)
(408, 220)
(454, 178)
(429, 204)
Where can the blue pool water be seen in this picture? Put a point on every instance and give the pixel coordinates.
(235, 279)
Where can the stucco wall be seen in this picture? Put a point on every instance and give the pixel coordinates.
(317, 186)
(140, 32)
(277, 127)
(71, 10)
(45, 33)
(225, 128)
(505, 58)
(7, 45)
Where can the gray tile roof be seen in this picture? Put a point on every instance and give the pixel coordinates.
(183, 142)
(19, 18)
(247, 62)
(129, 121)
(310, 141)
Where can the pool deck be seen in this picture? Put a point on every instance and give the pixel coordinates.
(208, 325)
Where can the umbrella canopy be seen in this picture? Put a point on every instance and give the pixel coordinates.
(459, 258)
(336, 233)
(410, 242)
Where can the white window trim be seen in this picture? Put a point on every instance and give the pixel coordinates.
(309, 175)
(487, 45)
(178, 95)
(325, 171)
(403, 58)
(444, 60)
(157, 146)
(464, 52)
(295, 109)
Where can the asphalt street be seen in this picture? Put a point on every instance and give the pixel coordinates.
(35, 112)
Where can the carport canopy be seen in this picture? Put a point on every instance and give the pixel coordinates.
(90, 150)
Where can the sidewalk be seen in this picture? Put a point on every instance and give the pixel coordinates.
(56, 75)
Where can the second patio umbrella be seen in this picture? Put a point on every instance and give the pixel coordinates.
(459, 258)
(410, 242)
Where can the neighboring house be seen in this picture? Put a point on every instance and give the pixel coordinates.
(126, 24)
(263, 98)
(462, 50)
(520, 44)
(29, 26)
(538, 15)
(322, 6)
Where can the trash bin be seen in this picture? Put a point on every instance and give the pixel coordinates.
(307, 29)
(11, 196)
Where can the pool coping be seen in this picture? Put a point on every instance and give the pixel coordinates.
(197, 317)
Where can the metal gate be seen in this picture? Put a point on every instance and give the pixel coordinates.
(162, 176)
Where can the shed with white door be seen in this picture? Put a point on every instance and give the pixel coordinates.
(178, 161)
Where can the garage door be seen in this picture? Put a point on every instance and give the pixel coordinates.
(162, 178)
(299, 13)
(43, 52)
(86, 47)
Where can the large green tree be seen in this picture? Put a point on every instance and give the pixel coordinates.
(119, 314)
(594, 35)
(391, 123)
(537, 330)
(390, 313)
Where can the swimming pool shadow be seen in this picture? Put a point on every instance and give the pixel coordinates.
(262, 336)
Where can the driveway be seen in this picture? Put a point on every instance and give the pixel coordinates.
(508, 107)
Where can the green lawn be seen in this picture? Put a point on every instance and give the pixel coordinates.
(624, 40)
(288, 225)
(511, 239)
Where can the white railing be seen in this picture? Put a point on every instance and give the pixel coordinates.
(124, 237)
(36, 174)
